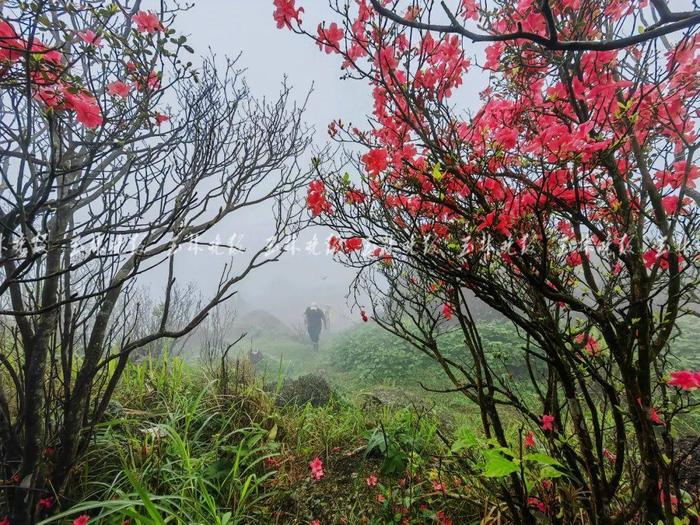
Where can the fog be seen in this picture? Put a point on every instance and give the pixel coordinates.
(269, 55)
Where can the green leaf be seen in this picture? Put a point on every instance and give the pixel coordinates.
(542, 458)
(465, 438)
(497, 466)
(437, 173)
(549, 472)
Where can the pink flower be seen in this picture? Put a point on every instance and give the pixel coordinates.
(316, 199)
(447, 311)
(574, 259)
(5, 521)
(285, 12)
(654, 416)
(91, 38)
(46, 503)
(315, 522)
(437, 486)
(353, 244)
(329, 39)
(530, 440)
(316, 466)
(118, 89)
(547, 422)
(160, 118)
(147, 22)
(589, 343)
(536, 503)
(685, 379)
(83, 519)
(85, 106)
(372, 480)
(376, 161)
(152, 82)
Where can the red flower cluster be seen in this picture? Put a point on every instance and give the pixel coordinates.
(685, 379)
(286, 12)
(147, 22)
(316, 199)
(316, 466)
(547, 422)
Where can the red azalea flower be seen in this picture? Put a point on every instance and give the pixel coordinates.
(329, 39)
(547, 422)
(160, 118)
(147, 22)
(530, 440)
(46, 503)
(685, 379)
(89, 37)
(285, 11)
(437, 486)
(537, 504)
(447, 311)
(353, 244)
(316, 466)
(372, 480)
(118, 89)
(83, 519)
(87, 112)
(376, 161)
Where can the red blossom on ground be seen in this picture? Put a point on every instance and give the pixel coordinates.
(538, 504)
(46, 503)
(316, 466)
(372, 480)
(83, 519)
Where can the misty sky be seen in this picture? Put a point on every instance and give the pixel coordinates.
(230, 27)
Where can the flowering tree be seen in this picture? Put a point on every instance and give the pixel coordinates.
(100, 184)
(567, 202)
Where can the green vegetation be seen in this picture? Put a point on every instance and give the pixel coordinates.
(174, 449)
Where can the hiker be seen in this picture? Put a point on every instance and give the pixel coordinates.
(314, 317)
